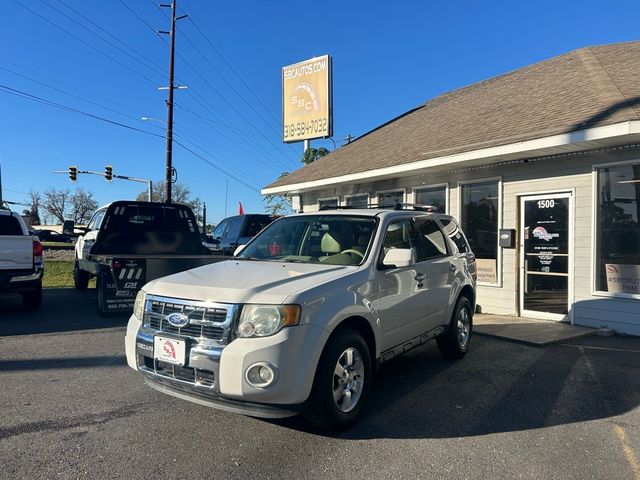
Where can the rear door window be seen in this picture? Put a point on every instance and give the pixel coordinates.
(434, 243)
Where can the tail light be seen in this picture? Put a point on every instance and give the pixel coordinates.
(38, 250)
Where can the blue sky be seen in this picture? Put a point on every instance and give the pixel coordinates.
(387, 58)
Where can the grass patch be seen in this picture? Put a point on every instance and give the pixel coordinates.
(59, 245)
(59, 274)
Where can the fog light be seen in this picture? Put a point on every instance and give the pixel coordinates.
(261, 375)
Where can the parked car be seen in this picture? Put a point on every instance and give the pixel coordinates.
(235, 231)
(53, 236)
(300, 318)
(21, 260)
(129, 243)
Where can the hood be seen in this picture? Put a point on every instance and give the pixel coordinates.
(245, 281)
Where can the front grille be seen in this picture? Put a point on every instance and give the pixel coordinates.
(205, 322)
(199, 378)
(195, 331)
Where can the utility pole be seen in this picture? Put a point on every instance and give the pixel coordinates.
(169, 161)
(349, 138)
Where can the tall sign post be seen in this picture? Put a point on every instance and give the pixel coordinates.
(307, 100)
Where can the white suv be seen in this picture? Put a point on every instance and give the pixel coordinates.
(299, 319)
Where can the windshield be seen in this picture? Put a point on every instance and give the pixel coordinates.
(330, 239)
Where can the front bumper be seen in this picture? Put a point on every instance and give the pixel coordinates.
(215, 375)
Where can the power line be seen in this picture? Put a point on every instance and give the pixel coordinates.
(215, 166)
(87, 44)
(144, 60)
(235, 72)
(239, 145)
(69, 93)
(73, 87)
(201, 99)
(35, 98)
(223, 97)
(215, 49)
(22, 94)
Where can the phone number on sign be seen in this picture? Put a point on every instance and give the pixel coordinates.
(299, 129)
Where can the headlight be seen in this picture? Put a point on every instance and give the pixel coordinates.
(138, 307)
(265, 320)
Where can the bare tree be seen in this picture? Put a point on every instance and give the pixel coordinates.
(180, 193)
(56, 203)
(82, 206)
(35, 201)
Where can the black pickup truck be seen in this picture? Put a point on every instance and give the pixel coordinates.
(138, 242)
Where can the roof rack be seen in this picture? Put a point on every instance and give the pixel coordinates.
(397, 206)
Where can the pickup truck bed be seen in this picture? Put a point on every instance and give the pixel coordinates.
(21, 265)
(139, 242)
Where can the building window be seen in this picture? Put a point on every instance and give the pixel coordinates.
(357, 201)
(479, 222)
(433, 196)
(618, 229)
(390, 199)
(327, 203)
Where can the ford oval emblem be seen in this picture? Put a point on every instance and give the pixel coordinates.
(178, 319)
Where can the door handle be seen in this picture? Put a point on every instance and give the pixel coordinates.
(420, 277)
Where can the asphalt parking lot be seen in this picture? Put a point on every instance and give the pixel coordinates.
(71, 408)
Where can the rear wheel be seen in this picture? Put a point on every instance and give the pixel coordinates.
(341, 384)
(101, 295)
(32, 300)
(454, 343)
(80, 277)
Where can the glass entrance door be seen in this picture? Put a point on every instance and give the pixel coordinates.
(544, 255)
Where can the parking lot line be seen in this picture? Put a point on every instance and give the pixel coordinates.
(629, 453)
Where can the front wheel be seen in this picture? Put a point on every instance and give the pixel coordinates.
(342, 382)
(454, 343)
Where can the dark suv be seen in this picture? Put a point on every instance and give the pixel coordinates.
(238, 230)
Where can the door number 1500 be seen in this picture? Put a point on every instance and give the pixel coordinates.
(546, 203)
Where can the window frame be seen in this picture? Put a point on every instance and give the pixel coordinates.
(463, 183)
(393, 190)
(345, 197)
(435, 186)
(336, 198)
(594, 230)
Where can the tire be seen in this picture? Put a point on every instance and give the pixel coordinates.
(336, 402)
(80, 277)
(454, 343)
(32, 300)
(101, 302)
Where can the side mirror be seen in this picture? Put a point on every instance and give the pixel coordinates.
(398, 258)
(238, 249)
(83, 230)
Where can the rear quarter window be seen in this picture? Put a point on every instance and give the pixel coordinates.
(10, 225)
(453, 231)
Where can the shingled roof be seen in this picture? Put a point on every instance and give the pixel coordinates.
(585, 88)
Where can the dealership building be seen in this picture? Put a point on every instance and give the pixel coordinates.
(548, 154)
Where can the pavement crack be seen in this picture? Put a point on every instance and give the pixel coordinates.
(73, 422)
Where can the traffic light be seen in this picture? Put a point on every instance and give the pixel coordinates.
(108, 173)
(73, 173)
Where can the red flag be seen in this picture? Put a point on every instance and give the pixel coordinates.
(240, 209)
